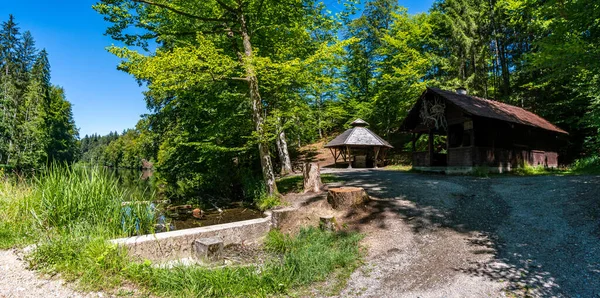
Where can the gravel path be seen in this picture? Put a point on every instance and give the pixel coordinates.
(16, 281)
(456, 236)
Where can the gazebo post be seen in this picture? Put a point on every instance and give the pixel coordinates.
(334, 153)
(376, 153)
(349, 157)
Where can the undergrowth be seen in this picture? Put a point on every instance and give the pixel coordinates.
(294, 184)
(587, 165)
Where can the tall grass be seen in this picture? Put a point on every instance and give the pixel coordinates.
(65, 199)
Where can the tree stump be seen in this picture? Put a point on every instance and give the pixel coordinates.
(312, 177)
(328, 223)
(346, 197)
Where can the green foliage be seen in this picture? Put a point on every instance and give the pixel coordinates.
(295, 184)
(586, 165)
(528, 170)
(481, 171)
(267, 202)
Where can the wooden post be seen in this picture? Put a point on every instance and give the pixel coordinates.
(430, 147)
(334, 153)
(349, 157)
(414, 143)
(376, 154)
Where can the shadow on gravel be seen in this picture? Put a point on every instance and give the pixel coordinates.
(522, 258)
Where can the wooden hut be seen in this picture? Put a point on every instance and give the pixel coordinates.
(479, 133)
(359, 146)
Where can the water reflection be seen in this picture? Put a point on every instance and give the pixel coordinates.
(146, 183)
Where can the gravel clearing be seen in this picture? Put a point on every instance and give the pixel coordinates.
(457, 236)
(18, 282)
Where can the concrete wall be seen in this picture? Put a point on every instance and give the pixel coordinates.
(178, 244)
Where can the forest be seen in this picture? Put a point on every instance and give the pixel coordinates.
(36, 121)
(236, 87)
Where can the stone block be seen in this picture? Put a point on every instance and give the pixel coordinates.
(207, 249)
(328, 223)
(281, 216)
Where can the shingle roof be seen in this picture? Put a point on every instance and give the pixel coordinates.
(359, 122)
(358, 136)
(496, 110)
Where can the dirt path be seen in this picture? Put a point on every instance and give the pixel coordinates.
(16, 281)
(453, 236)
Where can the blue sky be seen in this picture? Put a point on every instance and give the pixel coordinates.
(104, 99)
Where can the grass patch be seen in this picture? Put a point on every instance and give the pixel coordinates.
(294, 184)
(400, 168)
(528, 170)
(309, 257)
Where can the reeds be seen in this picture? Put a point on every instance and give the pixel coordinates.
(65, 199)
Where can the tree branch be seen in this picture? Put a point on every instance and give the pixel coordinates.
(227, 7)
(180, 12)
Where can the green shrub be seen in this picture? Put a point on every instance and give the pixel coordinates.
(528, 170)
(481, 171)
(586, 165)
(266, 202)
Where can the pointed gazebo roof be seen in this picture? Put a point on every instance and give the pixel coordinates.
(358, 136)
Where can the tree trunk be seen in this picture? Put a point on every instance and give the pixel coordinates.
(319, 103)
(284, 155)
(505, 70)
(263, 146)
(312, 177)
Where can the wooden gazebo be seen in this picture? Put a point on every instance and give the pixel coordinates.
(359, 146)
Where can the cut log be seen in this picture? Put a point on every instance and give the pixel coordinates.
(312, 177)
(328, 223)
(346, 197)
